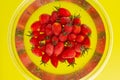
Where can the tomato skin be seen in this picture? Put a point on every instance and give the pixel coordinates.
(86, 42)
(44, 18)
(68, 53)
(58, 48)
(78, 54)
(36, 26)
(72, 37)
(49, 49)
(71, 60)
(45, 58)
(37, 51)
(35, 33)
(54, 16)
(34, 41)
(68, 29)
(48, 30)
(55, 40)
(63, 37)
(54, 61)
(63, 12)
(56, 28)
(76, 21)
(80, 38)
(85, 30)
(78, 48)
(61, 59)
(76, 29)
(64, 20)
(41, 37)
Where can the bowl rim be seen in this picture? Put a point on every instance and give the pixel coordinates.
(96, 73)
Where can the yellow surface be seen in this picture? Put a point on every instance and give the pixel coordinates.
(9, 72)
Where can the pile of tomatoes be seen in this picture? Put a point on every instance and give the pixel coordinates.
(59, 37)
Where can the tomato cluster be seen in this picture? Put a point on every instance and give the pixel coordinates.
(59, 37)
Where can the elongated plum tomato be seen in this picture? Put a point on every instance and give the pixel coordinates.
(44, 18)
(63, 12)
(56, 28)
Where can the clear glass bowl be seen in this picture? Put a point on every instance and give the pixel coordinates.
(88, 66)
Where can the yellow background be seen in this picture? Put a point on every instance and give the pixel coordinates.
(9, 72)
